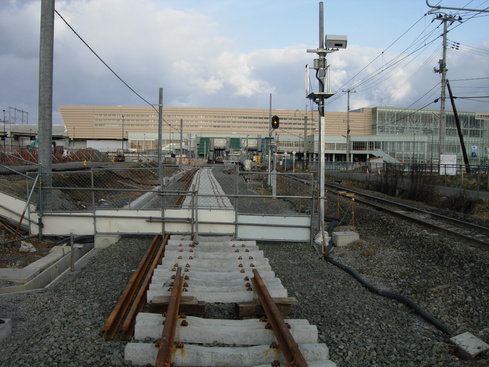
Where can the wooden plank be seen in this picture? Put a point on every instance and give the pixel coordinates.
(188, 305)
(255, 309)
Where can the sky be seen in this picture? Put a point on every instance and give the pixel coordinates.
(235, 54)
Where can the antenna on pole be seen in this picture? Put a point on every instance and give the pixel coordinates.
(327, 45)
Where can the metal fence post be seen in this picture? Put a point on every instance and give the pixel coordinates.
(94, 209)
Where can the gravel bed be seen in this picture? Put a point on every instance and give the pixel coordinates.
(62, 325)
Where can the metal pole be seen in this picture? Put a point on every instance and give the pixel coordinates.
(160, 133)
(46, 97)
(270, 140)
(322, 125)
(305, 141)
(348, 138)
(181, 141)
(443, 70)
(4, 132)
(122, 138)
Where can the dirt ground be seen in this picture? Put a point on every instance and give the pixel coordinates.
(70, 196)
(67, 197)
(11, 257)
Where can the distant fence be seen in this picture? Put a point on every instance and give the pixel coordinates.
(461, 176)
(11, 155)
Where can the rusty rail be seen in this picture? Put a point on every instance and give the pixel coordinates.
(165, 349)
(117, 315)
(140, 299)
(288, 346)
(187, 178)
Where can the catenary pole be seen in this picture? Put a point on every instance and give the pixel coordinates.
(45, 125)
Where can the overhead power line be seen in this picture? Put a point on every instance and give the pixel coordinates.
(113, 72)
(108, 67)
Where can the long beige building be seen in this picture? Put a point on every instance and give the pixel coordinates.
(117, 122)
(396, 134)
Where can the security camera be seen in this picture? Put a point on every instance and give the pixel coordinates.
(334, 41)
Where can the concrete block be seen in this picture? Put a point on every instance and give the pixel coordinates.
(468, 345)
(342, 239)
(5, 329)
(141, 354)
(199, 330)
(105, 240)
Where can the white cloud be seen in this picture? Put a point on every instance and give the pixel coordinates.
(151, 45)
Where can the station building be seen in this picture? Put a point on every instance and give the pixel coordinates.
(393, 134)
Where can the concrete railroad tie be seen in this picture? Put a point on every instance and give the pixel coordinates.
(217, 271)
(211, 194)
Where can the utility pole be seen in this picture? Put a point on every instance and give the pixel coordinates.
(348, 142)
(333, 43)
(442, 69)
(46, 99)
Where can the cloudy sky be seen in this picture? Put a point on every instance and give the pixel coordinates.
(235, 53)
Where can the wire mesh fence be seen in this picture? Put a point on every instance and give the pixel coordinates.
(173, 186)
(461, 176)
(12, 155)
(275, 193)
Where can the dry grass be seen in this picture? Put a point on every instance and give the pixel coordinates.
(482, 210)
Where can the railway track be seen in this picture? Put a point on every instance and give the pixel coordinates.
(220, 272)
(463, 230)
(211, 194)
(215, 302)
(469, 232)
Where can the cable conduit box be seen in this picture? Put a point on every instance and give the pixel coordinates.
(341, 239)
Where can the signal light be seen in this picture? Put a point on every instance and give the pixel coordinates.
(275, 122)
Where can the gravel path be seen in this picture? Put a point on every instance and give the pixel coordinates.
(62, 325)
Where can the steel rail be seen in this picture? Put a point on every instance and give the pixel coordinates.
(478, 242)
(117, 315)
(165, 348)
(414, 209)
(140, 299)
(288, 346)
(188, 177)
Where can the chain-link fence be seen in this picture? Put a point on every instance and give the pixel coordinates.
(460, 176)
(275, 193)
(100, 199)
(12, 155)
(96, 188)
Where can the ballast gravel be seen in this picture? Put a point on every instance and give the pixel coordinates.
(62, 325)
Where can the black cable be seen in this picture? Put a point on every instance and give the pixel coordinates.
(113, 72)
(108, 67)
(405, 300)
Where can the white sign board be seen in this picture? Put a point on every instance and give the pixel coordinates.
(448, 164)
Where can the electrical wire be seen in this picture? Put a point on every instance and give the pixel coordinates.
(379, 75)
(103, 62)
(112, 70)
